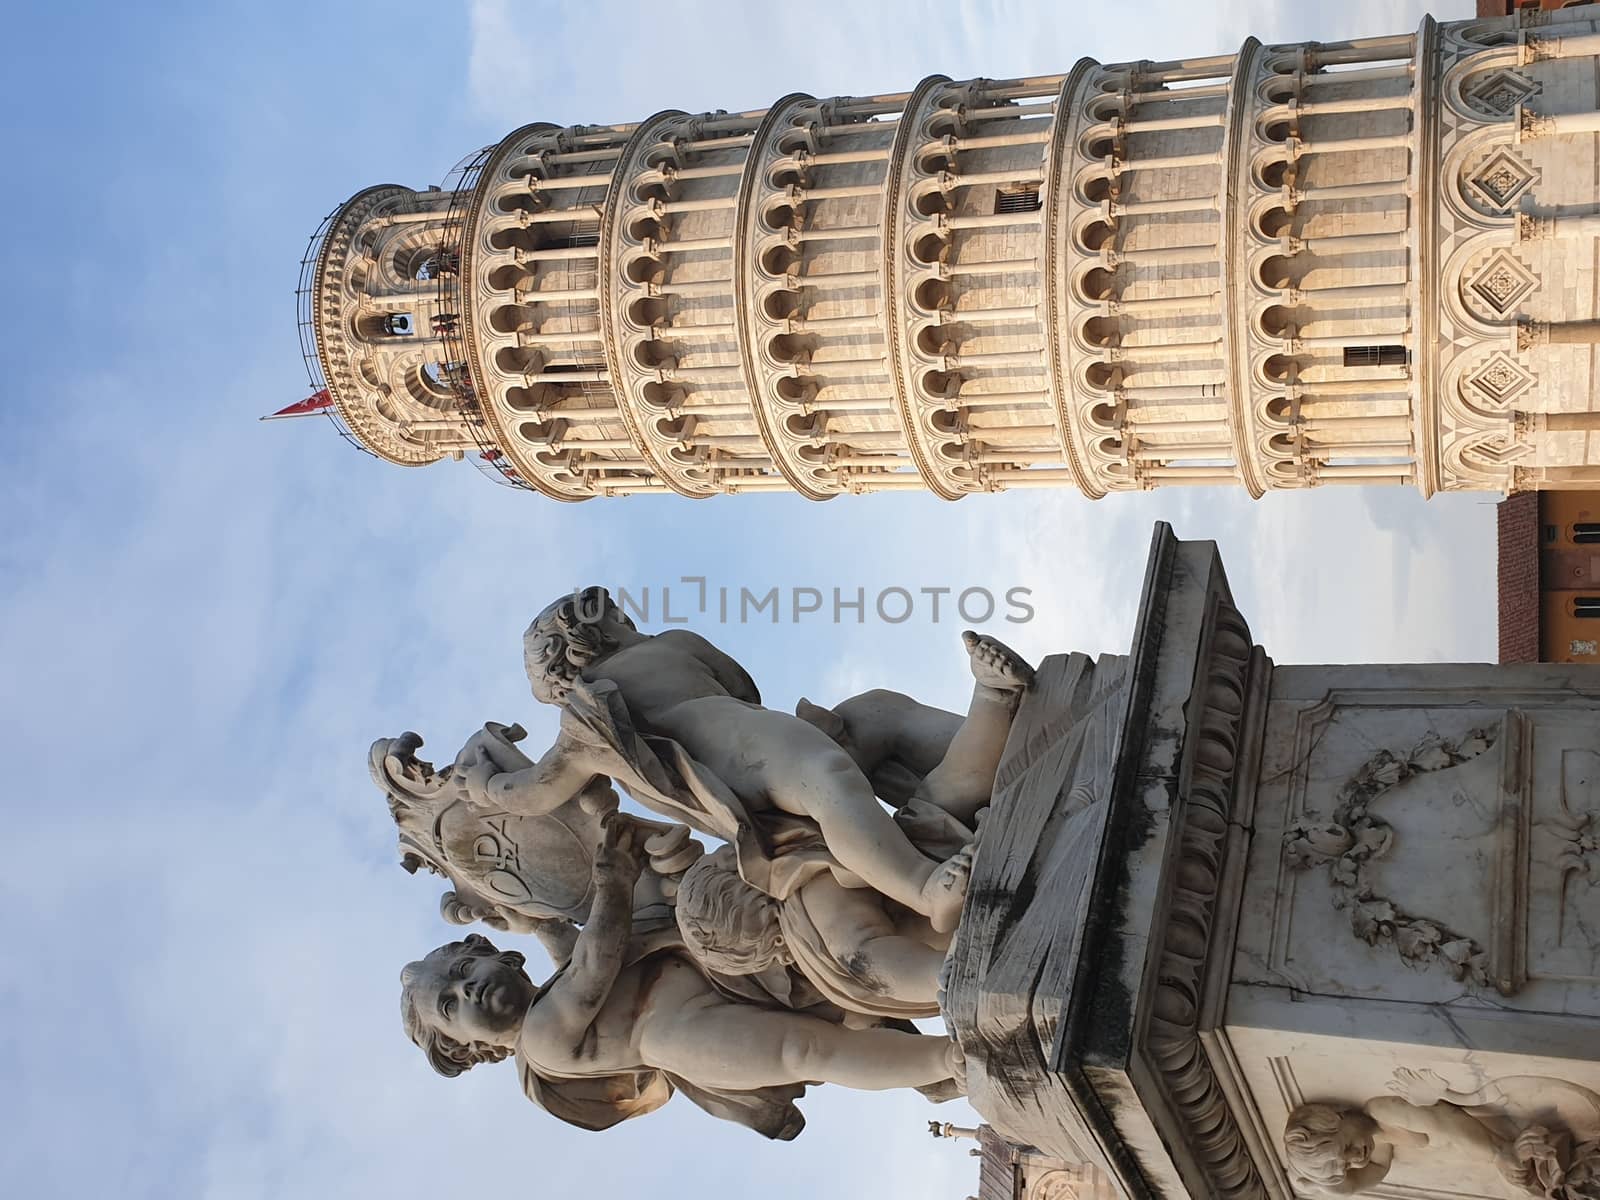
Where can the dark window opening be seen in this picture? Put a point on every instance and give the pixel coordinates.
(1586, 606)
(1376, 356)
(1550, 533)
(1586, 533)
(440, 263)
(573, 240)
(1017, 201)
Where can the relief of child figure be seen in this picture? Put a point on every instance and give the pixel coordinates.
(1523, 1127)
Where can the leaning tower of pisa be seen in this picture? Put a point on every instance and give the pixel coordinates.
(1364, 262)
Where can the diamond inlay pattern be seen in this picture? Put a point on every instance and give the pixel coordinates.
(1501, 380)
(1502, 282)
(1501, 180)
(1499, 92)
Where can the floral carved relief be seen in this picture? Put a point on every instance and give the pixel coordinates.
(1357, 837)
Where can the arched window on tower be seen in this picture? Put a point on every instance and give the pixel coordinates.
(437, 379)
(1586, 533)
(425, 264)
(1586, 606)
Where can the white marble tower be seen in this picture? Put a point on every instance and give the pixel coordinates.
(1365, 262)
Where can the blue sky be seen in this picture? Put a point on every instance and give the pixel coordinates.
(206, 620)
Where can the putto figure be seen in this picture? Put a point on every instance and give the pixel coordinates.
(681, 726)
(622, 1025)
(1539, 1134)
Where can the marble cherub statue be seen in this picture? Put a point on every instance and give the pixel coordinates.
(622, 1025)
(680, 726)
(533, 875)
(514, 872)
(860, 950)
(1537, 1133)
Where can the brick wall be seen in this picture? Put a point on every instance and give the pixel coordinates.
(1518, 520)
(998, 1178)
(1504, 8)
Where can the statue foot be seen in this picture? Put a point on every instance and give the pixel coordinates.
(958, 1066)
(946, 891)
(995, 664)
(955, 1085)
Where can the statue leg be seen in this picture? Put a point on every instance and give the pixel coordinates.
(964, 779)
(773, 758)
(954, 757)
(823, 783)
(881, 725)
(720, 1043)
(861, 936)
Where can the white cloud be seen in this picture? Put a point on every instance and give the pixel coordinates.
(206, 620)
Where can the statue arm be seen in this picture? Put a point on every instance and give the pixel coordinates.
(555, 934)
(560, 774)
(1423, 1088)
(577, 994)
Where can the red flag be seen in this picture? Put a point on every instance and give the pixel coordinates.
(315, 402)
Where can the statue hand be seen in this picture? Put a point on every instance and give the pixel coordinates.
(1418, 1087)
(620, 855)
(470, 776)
(599, 798)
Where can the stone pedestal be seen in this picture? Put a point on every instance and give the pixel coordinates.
(1211, 890)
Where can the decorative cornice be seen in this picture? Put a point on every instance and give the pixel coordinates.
(749, 330)
(1236, 135)
(1055, 278)
(1425, 157)
(894, 202)
(615, 204)
(1216, 727)
(529, 467)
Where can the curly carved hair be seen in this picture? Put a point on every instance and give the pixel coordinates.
(445, 1054)
(728, 925)
(1313, 1146)
(565, 638)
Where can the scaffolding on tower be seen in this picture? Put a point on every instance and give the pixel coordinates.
(304, 298)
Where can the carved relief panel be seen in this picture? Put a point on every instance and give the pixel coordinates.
(1366, 1118)
(1426, 836)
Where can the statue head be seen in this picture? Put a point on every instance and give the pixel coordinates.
(569, 635)
(464, 1003)
(728, 925)
(1323, 1143)
(1581, 1179)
